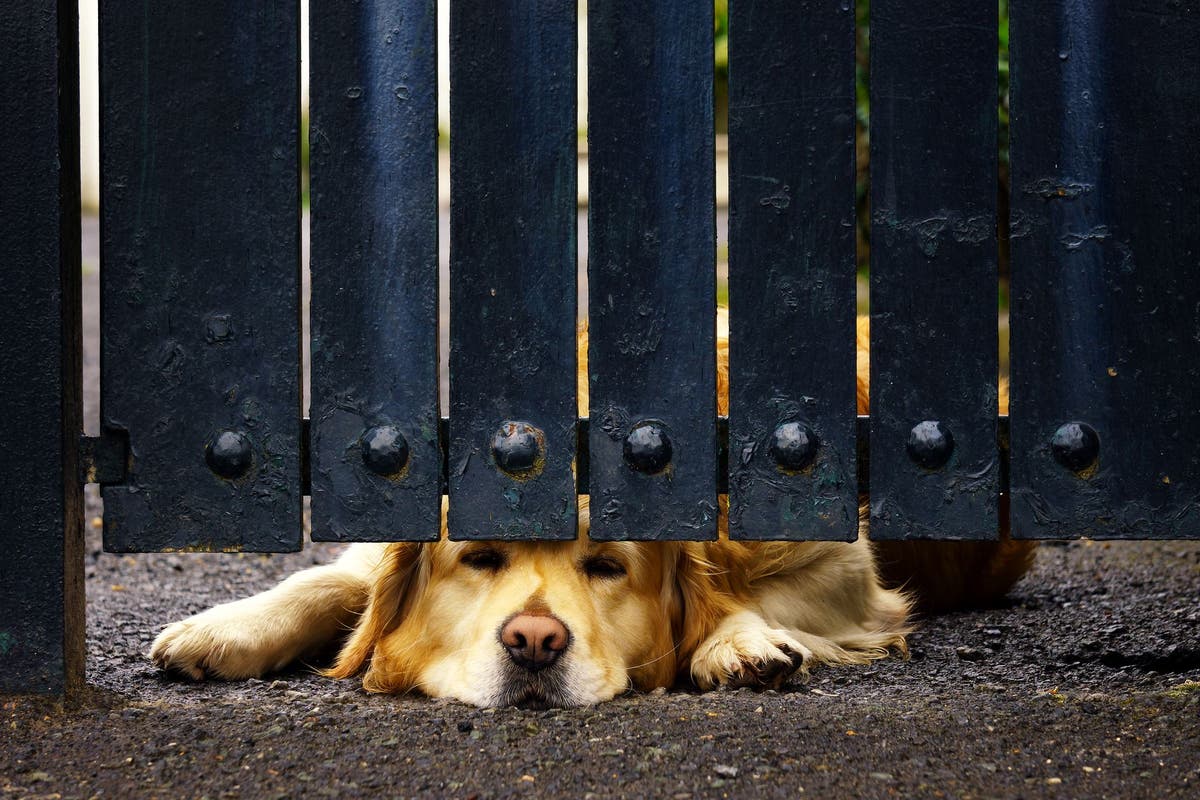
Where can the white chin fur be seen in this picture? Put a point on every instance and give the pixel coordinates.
(568, 685)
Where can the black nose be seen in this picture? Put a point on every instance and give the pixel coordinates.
(534, 642)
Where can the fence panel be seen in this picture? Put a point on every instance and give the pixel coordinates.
(791, 272)
(512, 271)
(651, 270)
(200, 266)
(376, 462)
(41, 500)
(1105, 242)
(934, 458)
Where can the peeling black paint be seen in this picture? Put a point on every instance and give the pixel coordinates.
(1050, 188)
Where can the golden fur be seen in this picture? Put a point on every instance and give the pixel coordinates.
(426, 617)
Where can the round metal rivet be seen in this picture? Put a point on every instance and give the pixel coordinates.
(228, 454)
(517, 447)
(930, 444)
(1076, 446)
(384, 449)
(793, 446)
(647, 448)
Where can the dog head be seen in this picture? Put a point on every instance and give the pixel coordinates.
(533, 624)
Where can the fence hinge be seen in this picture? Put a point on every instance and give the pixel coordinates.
(103, 458)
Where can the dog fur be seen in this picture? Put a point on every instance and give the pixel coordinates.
(435, 618)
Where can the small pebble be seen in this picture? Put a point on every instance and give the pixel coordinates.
(726, 771)
(969, 654)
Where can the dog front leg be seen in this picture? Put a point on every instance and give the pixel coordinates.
(745, 650)
(251, 637)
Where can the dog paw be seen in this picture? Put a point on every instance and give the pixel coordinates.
(746, 651)
(218, 643)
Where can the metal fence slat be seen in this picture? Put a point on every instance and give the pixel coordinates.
(376, 463)
(512, 270)
(1105, 243)
(934, 456)
(41, 499)
(651, 270)
(791, 272)
(199, 274)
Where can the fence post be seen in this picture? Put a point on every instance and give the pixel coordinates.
(41, 500)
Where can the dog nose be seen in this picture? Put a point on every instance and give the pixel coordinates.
(534, 642)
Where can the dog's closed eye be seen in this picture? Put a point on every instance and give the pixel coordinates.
(603, 567)
(485, 559)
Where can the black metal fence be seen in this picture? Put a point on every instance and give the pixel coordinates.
(203, 444)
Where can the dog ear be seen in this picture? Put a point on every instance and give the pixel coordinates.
(395, 577)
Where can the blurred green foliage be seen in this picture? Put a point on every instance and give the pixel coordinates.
(721, 39)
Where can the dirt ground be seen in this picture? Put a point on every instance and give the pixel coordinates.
(1087, 684)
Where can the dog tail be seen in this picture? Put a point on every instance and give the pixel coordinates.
(943, 576)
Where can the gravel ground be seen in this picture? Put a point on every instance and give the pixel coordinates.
(1086, 684)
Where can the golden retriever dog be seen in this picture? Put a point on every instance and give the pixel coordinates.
(537, 624)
